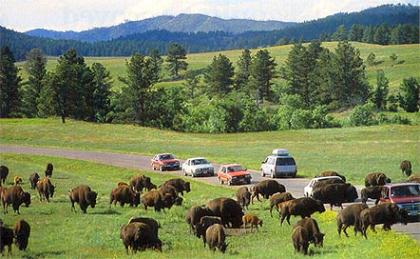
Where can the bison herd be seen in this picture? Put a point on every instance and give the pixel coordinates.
(211, 222)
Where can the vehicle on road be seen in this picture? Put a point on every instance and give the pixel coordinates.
(405, 195)
(164, 162)
(279, 164)
(233, 174)
(308, 189)
(197, 166)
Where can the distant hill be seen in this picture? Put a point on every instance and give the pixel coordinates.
(188, 23)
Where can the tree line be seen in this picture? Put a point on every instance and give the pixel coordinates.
(220, 98)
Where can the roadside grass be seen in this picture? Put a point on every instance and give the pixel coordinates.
(58, 232)
(353, 151)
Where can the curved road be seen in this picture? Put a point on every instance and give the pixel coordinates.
(293, 185)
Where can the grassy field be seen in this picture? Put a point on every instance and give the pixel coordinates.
(58, 232)
(409, 55)
(352, 151)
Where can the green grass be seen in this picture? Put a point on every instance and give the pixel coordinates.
(352, 151)
(58, 232)
(410, 54)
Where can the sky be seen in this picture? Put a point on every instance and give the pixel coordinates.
(77, 15)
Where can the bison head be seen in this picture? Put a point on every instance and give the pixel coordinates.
(319, 206)
(91, 198)
(319, 239)
(403, 216)
(351, 194)
(25, 198)
(187, 187)
(223, 247)
(151, 186)
(52, 190)
(178, 201)
(136, 199)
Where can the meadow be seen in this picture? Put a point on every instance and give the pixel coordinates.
(353, 151)
(408, 56)
(57, 232)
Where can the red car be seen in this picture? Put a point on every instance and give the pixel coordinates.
(164, 162)
(405, 195)
(232, 174)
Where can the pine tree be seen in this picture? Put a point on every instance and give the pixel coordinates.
(175, 58)
(382, 35)
(219, 76)
(191, 83)
(156, 61)
(35, 67)
(409, 94)
(262, 73)
(10, 97)
(243, 70)
(340, 34)
(47, 101)
(381, 91)
(102, 83)
(371, 59)
(368, 34)
(356, 33)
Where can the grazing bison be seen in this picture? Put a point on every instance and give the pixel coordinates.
(216, 238)
(314, 234)
(17, 180)
(253, 220)
(335, 194)
(139, 236)
(140, 182)
(228, 210)
(124, 195)
(4, 172)
(300, 238)
(319, 184)
(151, 187)
(278, 198)
(22, 231)
(15, 196)
(266, 188)
(373, 192)
(33, 179)
(122, 184)
(376, 179)
(6, 239)
(386, 214)
(333, 173)
(303, 207)
(405, 167)
(152, 223)
(204, 224)
(49, 170)
(45, 189)
(414, 179)
(155, 199)
(83, 195)
(243, 195)
(195, 214)
(179, 184)
(350, 216)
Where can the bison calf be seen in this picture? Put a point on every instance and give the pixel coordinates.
(251, 219)
(216, 238)
(17, 180)
(300, 239)
(22, 231)
(350, 216)
(405, 167)
(314, 234)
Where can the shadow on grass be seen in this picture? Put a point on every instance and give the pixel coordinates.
(106, 212)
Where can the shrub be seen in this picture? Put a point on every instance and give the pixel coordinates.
(363, 115)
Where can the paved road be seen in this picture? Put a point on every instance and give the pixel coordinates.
(293, 185)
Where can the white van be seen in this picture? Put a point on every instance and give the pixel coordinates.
(279, 164)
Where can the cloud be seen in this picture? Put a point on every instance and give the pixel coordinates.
(78, 15)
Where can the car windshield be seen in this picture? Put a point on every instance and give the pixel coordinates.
(285, 161)
(199, 162)
(166, 157)
(235, 168)
(408, 190)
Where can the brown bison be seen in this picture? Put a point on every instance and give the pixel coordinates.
(4, 172)
(204, 224)
(83, 195)
(138, 236)
(15, 196)
(376, 179)
(216, 238)
(155, 199)
(350, 216)
(326, 182)
(140, 182)
(49, 170)
(303, 207)
(17, 180)
(335, 194)
(414, 179)
(195, 214)
(333, 173)
(45, 189)
(179, 184)
(278, 198)
(300, 238)
(386, 214)
(314, 234)
(372, 192)
(124, 195)
(152, 223)
(122, 184)
(243, 195)
(33, 179)
(266, 188)
(253, 220)
(405, 167)
(6, 239)
(22, 231)
(228, 210)
(168, 189)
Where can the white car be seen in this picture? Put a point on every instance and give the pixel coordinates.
(279, 164)
(197, 166)
(307, 191)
